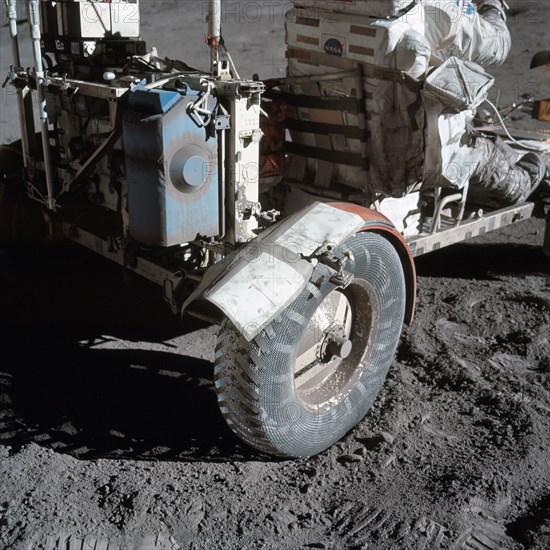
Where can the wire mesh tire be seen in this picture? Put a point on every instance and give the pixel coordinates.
(314, 372)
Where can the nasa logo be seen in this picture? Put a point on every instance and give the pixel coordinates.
(467, 7)
(333, 46)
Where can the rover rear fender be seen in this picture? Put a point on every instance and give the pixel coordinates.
(255, 283)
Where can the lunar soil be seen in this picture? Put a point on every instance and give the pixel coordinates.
(110, 434)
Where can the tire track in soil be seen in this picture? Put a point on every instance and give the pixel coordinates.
(453, 454)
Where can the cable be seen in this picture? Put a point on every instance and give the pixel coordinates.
(523, 146)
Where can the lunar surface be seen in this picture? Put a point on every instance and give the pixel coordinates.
(110, 434)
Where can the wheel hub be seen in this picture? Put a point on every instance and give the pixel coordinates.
(335, 344)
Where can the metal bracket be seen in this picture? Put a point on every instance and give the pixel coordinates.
(169, 286)
(341, 278)
(198, 112)
(222, 122)
(442, 202)
(99, 153)
(251, 209)
(267, 217)
(17, 77)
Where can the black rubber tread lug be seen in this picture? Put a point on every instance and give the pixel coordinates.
(262, 344)
(247, 411)
(239, 398)
(247, 370)
(248, 391)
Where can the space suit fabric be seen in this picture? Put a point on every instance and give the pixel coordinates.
(471, 31)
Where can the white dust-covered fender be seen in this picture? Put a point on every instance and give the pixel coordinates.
(253, 284)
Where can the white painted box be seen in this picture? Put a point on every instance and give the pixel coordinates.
(327, 43)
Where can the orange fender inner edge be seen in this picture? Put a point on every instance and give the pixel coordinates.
(378, 223)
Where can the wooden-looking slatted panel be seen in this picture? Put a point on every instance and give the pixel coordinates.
(321, 43)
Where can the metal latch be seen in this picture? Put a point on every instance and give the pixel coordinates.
(325, 255)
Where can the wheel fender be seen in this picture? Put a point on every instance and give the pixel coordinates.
(254, 283)
(378, 223)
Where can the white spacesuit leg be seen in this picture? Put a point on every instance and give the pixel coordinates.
(501, 180)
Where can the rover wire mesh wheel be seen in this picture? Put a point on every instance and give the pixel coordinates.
(314, 372)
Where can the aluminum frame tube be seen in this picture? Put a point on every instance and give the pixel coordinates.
(12, 18)
(33, 15)
(21, 94)
(214, 33)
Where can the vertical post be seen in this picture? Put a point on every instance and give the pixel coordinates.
(24, 97)
(214, 34)
(33, 15)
